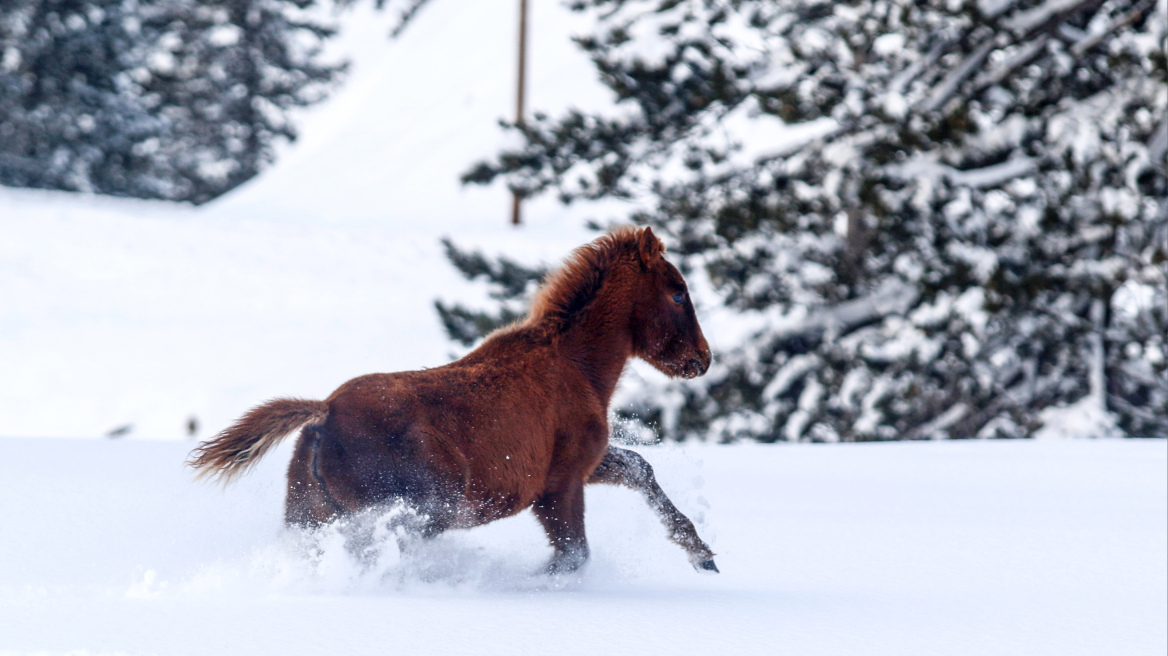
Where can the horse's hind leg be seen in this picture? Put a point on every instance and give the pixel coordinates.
(307, 503)
(628, 468)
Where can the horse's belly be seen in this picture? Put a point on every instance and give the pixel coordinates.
(498, 487)
(479, 511)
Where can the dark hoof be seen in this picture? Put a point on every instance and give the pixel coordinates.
(706, 565)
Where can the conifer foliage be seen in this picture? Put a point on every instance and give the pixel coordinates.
(926, 218)
(169, 99)
(511, 283)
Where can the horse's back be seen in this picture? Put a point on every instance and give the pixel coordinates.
(462, 405)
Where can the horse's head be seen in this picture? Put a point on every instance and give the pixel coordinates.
(665, 328)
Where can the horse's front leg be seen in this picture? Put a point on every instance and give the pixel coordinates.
(628, 468)
(561, 511)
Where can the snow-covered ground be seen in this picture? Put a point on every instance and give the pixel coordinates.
(1021, 548)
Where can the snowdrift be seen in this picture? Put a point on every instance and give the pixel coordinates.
(1024, 548)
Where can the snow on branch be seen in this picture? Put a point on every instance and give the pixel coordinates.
(1047, 14)
(1019, 58)
(1095, 38)
(894, 297)
(1031, 23)
(937, 427)
(994, 8)
(949, 85)
(989, 176)
(1158, 147)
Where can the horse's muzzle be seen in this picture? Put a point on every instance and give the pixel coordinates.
(697, 366)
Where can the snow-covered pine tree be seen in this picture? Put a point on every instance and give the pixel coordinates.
(67, 118)
(510, 283)
(171, 99)
(929, 218)
(226, 76)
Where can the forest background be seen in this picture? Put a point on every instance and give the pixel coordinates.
(921, 219)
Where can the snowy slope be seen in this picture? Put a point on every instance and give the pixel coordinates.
(116, 312)
(1006, 548)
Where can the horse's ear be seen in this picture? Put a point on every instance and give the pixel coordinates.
(649, 247)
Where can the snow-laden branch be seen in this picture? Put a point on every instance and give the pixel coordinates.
(994, 8)
(1095, 38)
(1035, 23)
(902, 79)
(948, 87)
(1048, 14)
(1025, 54)
(895, 297)
(1158, 147)
(986, 177)
(936, 427)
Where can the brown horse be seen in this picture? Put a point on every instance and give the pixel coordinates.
(520, 422)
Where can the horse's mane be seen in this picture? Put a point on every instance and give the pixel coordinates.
(569, 289)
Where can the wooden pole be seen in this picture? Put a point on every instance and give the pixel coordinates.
(516, 219)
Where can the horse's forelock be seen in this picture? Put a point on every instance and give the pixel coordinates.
(569, 289)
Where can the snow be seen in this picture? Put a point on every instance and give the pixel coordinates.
(991, 8)
(949, 85)
(1025, 548)
(1159, 145)
(1020, 55)
(766, 138)
(887, 45)
(988, 176)
(983, 261)
(1085, 418)
(1088, 417)
(1024, 21)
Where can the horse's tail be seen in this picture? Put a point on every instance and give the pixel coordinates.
(233, 451)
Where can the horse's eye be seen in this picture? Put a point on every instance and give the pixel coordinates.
(678, 297)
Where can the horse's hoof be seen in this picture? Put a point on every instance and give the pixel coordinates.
(706, 565)
(567, 562)
(561, 569)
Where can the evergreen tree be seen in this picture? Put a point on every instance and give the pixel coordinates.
(511, 283)
(938, 218)
(171, 99)
(64, 101)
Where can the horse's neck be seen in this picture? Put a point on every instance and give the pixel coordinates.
(600, 344)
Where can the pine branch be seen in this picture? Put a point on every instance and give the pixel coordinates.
(1095, 38)
(1025, 54)
(948, 87)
